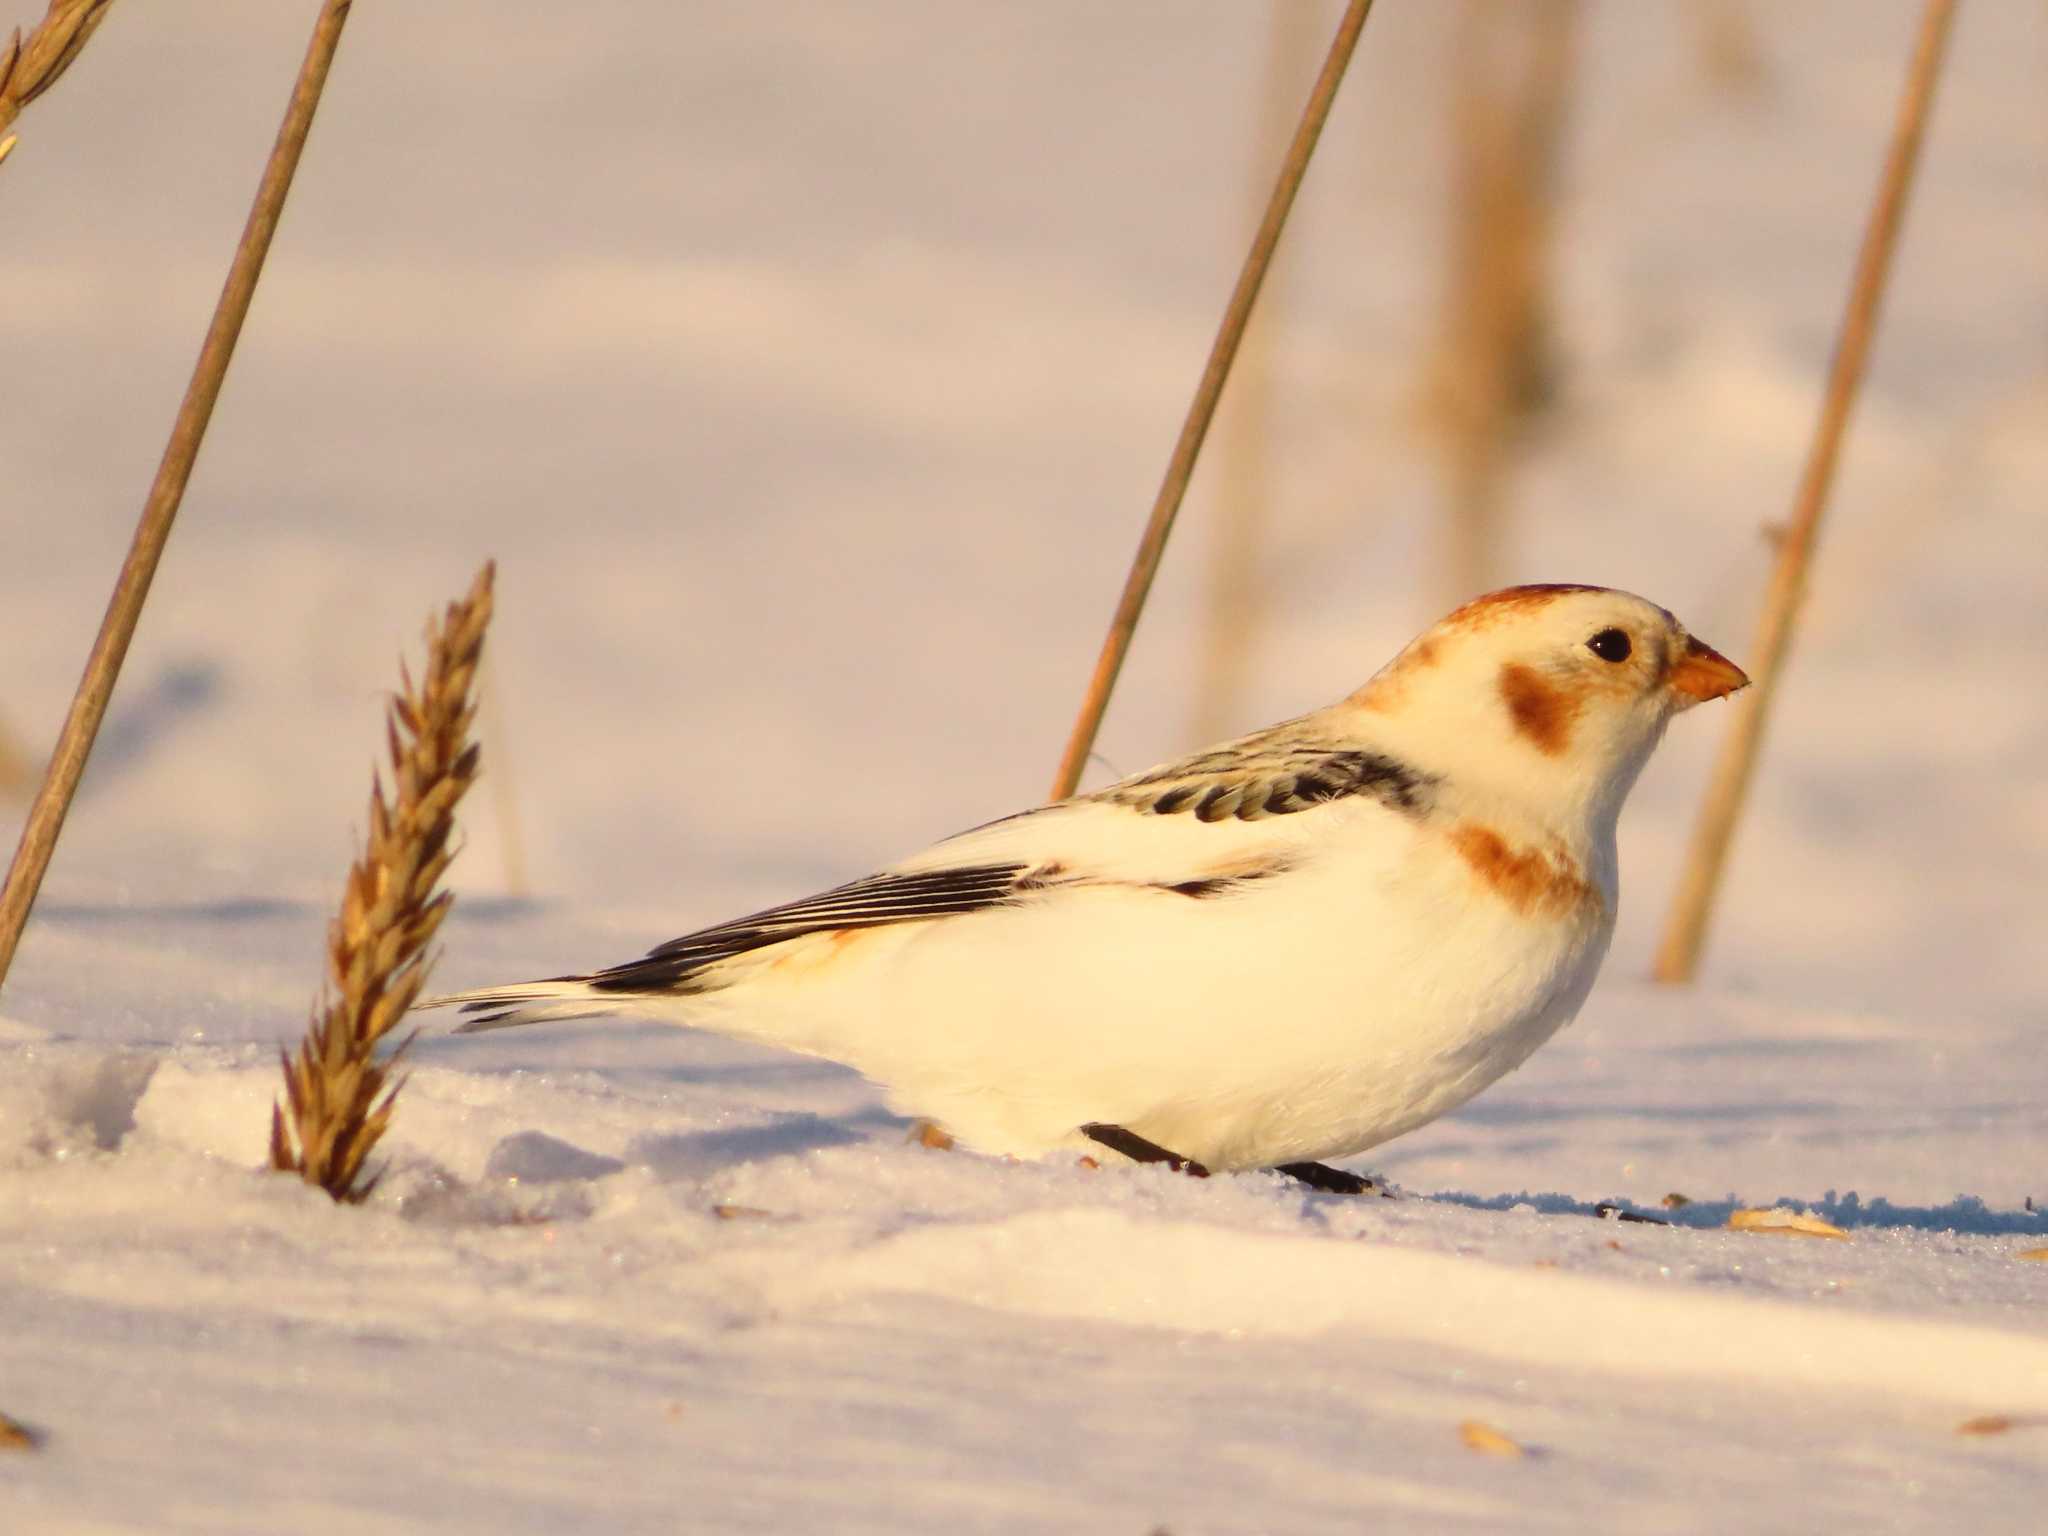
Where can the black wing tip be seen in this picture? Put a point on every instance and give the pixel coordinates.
(476, 1020)
(677, 967)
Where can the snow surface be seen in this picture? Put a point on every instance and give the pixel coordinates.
(808, 369)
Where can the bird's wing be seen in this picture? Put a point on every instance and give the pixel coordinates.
(695, 963)
(1200, 827)
(892, 896)
(1279, 771)
(1264, 795)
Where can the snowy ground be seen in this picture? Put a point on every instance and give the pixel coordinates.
(808, 370)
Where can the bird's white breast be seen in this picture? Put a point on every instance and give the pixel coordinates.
(1387, 977)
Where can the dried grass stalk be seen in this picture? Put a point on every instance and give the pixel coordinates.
(1180, 468)
(17, 773)
(1493, 369)
(1778, 1221)
(1234, 611)
(1699, 882)
(338, 1095)
(66, 763)
(1725, 42)
(504, 793)
(27, 69)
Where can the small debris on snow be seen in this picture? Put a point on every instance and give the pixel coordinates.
(1488, 1441)
(16, 1436)
(1779, 1221)
(1985, 1424)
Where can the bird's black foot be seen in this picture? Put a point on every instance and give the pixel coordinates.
(1333, 1181)
(1139, 1150)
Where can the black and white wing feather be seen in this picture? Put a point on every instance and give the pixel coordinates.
(1276, 772)
(873, 902)
(1200, 827)
(685, 966)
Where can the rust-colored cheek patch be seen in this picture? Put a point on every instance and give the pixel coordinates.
(1540, 712)
(1531, 881)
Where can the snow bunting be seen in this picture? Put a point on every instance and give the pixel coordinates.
(1287, 948)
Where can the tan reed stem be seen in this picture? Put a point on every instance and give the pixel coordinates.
(504, 792)
(1685, 930)
(1492, 369)
(1725, 41)
(16, 772)
(338, 1096)
(153, 529)
(27, 69)
(1202, 410)
(1234, 610)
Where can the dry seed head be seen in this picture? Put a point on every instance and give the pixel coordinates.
(31, 68)
(338, 1095)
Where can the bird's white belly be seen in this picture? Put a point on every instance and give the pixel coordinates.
(1308, 1020)
(1366, 1065)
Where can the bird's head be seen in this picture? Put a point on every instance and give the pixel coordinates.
(1552, 693)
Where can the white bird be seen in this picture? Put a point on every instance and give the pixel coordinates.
(1287, 948)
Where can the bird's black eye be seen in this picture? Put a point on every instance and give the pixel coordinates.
(1610, 645)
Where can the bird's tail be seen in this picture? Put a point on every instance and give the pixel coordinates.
(527, 1002)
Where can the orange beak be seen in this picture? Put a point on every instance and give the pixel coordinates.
(1703, 673)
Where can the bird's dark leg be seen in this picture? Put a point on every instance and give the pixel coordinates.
(1139, 1150)
(1332, 1181)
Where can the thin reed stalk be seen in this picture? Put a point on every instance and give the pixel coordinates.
(16, 772)
(1234, 609)
(1202, 410)
(1725, 42)
(153, 529)
(504, 789)
(1492, 369)
(338, 1095)
(29, 68)
(1692, 907)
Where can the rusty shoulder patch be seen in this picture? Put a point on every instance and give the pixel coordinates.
(1541, 712)
(1533, 882)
